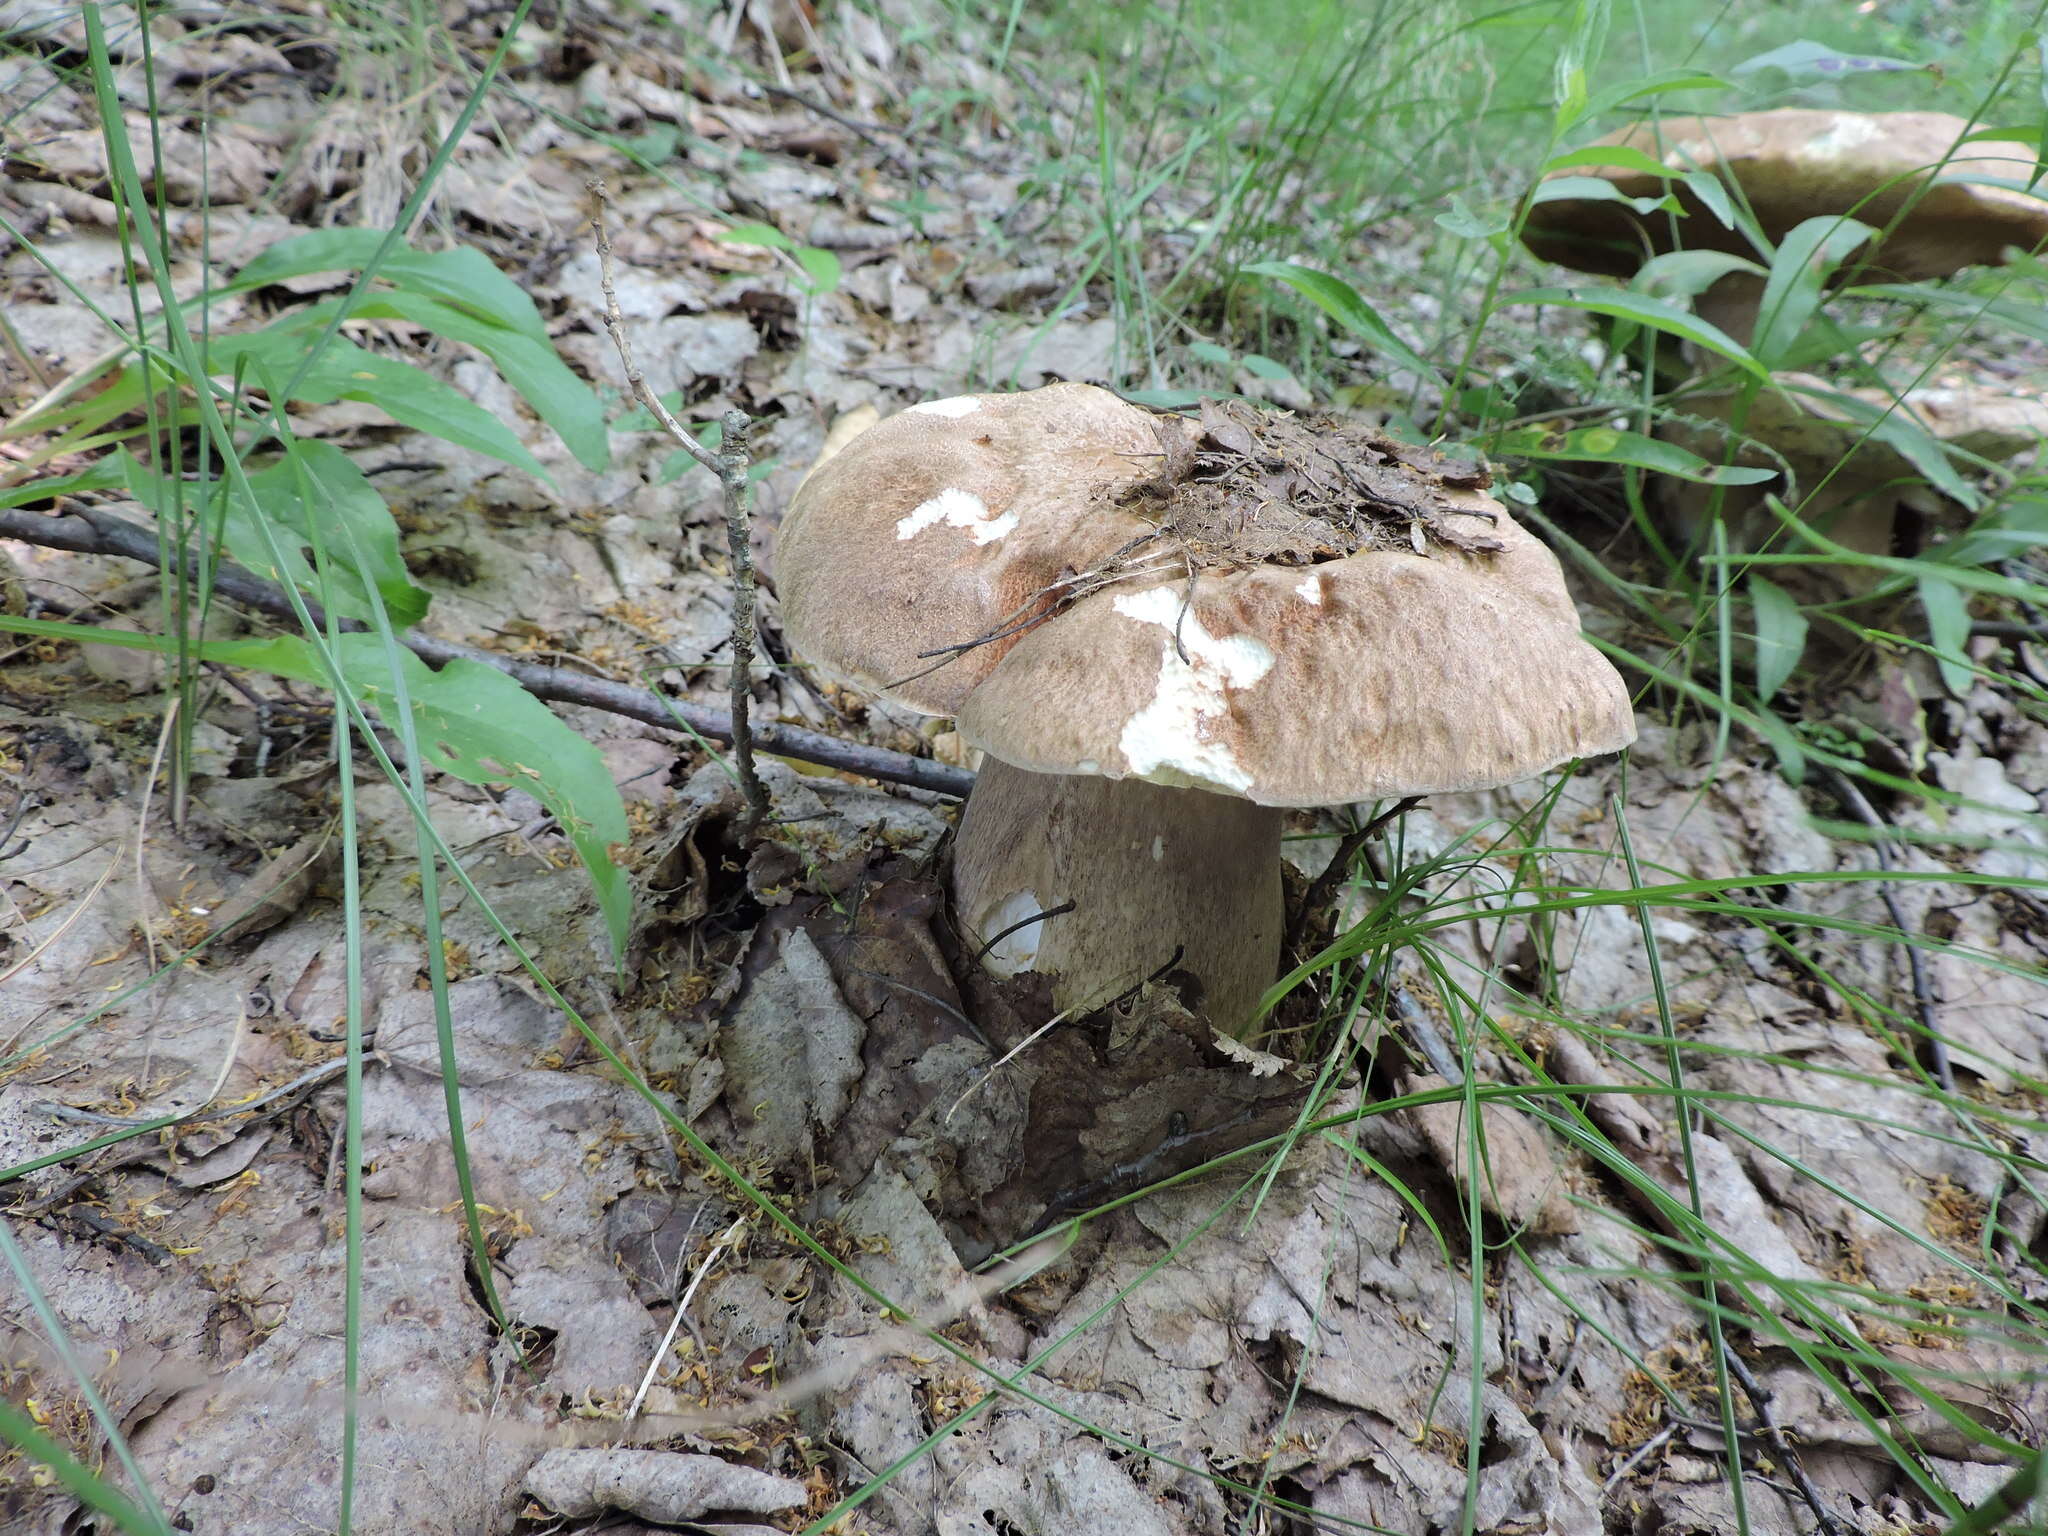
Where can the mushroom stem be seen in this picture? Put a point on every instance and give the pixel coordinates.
(1733, 302)
(1162, 881)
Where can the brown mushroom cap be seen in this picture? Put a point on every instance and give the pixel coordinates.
(1796, 163)
(1387, 673)
(950, 521)
(1817, 424)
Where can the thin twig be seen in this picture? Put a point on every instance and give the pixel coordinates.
(280, 1097)
(1788, 1457)
(730, 1236)
(1324, 886)
(1641, 1454)
(871, 132)
(1923, 988)
(89, 531)
(25, 802)
(733, 460)
(1024, 922)
(730, 464)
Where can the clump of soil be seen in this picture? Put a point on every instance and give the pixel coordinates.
(1254, 488)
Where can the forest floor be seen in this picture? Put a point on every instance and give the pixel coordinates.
(1303, 1342)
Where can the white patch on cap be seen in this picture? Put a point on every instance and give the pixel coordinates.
(1851, 131)
(1158, 849)
(1173, 731)
(1015, 952)
(1311, 588)
(959, 405)
(960, 509)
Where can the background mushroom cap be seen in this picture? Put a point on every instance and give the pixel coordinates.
(1383, 674)
(1793, 164)
(938, 525)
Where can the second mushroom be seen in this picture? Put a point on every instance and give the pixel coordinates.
(1163, 632)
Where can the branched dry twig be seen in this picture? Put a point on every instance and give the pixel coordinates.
(730, 464)
(88, 531)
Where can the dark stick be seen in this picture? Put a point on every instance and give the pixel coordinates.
(1325, 884)
(1788, 1458)
(1022, 922)
(89, 531)
(733, 459)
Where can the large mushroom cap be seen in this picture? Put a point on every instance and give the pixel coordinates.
(951, 521)
(1388, 673)
(1244, 605)
(1963, 204)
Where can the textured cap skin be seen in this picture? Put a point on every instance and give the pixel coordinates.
(1383, 674)
(935, 526)
(1794, 164)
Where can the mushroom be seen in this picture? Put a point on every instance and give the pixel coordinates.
(1162, 633)
(1937, 203)
(1851, 480)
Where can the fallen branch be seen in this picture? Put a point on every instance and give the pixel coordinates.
(90, 531)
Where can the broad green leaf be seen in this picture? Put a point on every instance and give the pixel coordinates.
(1687, 274)
(1627, 156)
(345, 371)
(1209, 352)
(1948, 628)
(462, 276)
(1262, 367)
(2021, 524)
(820, 265)
(1612, 445)
(1807, 60)
(822, 268)
(756, 234)
(317, 488)
(1467, 224)
(1781, 628)
(2026, 319)
(1660, 84)
(1806, 259)
(1340, 301)
(36, 1449)
(1170, 399)
(476, 723)
(1596, 189)
(1825, 340)
(1713, 192)
(1624, 305)
(102, 476)
(1897, 430)
(543, 380)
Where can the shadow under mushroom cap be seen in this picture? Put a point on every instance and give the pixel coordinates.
(1794, 163)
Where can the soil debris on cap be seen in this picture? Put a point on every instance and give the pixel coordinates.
(1250, 488)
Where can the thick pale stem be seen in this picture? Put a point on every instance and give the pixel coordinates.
(1178, 881)
(1732, 303)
